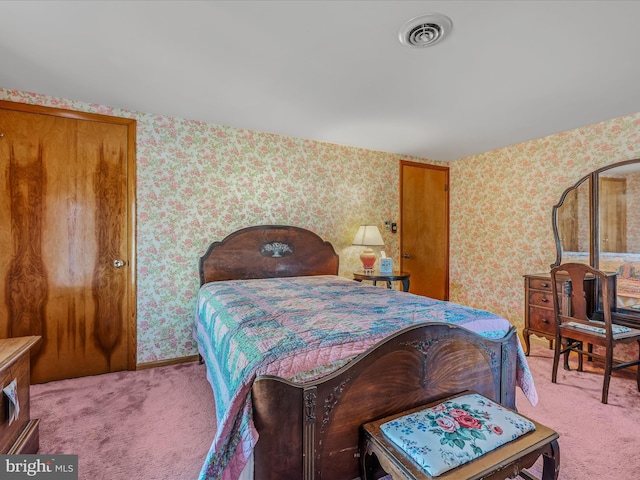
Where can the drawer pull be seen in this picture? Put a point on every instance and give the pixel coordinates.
(545, 285)
(544, 299)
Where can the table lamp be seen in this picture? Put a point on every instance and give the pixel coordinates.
(368, 236)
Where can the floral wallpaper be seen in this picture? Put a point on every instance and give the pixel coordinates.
(198, 182)
(501, 205)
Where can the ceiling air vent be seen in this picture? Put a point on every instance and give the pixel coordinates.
(425, 30)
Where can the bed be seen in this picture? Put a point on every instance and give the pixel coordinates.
(299, 357)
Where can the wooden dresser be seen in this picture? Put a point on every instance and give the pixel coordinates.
(22, 435)
(538, 309)
(538, 306)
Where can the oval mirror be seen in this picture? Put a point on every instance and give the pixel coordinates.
(597, 221)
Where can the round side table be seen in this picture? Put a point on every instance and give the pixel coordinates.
(375, 276)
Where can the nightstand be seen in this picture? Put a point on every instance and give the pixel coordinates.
(375, 276)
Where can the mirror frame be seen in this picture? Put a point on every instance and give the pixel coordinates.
(631, 318)
(594, 227)
(554, 218)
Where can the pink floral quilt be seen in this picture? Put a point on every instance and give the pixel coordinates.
(303, 328)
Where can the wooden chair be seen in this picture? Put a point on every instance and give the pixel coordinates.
(574, 329)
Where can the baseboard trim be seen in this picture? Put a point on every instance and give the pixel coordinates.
(164, 363)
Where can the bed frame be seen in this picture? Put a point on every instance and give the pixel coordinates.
(312, 430)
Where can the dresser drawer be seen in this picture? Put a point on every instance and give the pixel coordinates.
(541, 299)
(540, 284)
(542, 320)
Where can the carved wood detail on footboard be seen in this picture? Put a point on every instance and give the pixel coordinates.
(311, 430)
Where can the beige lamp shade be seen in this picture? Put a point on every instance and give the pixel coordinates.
(368, 236)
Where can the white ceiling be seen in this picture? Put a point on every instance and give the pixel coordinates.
(509, 72)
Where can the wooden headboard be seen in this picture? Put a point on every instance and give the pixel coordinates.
(267, 251)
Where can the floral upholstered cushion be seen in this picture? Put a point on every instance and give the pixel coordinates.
(598, 327)
(455, 431)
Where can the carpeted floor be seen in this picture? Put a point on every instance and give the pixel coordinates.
(597, 441)
(155, 424)
(158, 424)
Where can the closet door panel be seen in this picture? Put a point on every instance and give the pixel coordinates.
(67, 209)
(425, 228)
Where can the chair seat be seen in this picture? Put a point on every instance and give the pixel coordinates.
(598, 327)
(597, 333)
(465, 436)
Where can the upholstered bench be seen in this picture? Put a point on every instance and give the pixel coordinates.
(466, 436)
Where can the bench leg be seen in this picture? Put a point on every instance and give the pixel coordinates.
(371, 469)
(526, 475)
(551, 461)
(550, 465)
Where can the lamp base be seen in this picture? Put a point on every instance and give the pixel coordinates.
(368, 259)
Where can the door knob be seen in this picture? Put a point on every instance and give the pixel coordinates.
(406, 255)
(118, 263)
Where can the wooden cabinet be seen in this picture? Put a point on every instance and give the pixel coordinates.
(21, 436)
(538, 309)
(538, 306)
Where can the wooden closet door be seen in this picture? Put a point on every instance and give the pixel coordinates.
(65, 230)
(424, 227)
(613, 215)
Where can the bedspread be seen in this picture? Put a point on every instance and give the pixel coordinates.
(302, 327)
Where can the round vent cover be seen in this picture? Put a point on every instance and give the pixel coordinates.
(425, 30)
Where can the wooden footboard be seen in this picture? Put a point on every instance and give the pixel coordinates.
(311, 430)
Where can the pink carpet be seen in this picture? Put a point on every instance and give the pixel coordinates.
(597, 441)
(155, 424)
(159, 423)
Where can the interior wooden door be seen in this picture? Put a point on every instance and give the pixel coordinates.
(613, 214)
(66, 248)
(424, 227)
